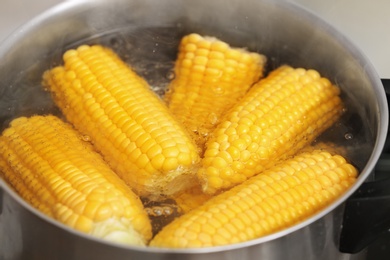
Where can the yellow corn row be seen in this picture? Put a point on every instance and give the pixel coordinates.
(278, 198)
(210, 76)
(133, 129)
(50, 165)
(278, 116)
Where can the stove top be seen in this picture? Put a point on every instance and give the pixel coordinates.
(380, 248)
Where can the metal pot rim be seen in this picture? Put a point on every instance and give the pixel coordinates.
(300, 11)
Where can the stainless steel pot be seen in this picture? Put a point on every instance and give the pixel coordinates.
(148, 31)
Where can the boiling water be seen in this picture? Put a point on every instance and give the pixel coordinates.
(151, 52)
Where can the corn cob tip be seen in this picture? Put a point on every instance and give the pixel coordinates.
(191, 198)
(175, 183)
(118, 231)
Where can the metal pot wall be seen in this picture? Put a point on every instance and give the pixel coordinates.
(149, 30)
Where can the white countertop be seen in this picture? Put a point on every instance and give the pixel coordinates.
(364, 22)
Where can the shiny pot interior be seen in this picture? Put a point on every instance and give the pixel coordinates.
(146, 33)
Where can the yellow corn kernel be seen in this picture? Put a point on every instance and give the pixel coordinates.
(190, 199)
(210, 76)
(279, 115)
(266, 203)
(133, 129)
(50, 165)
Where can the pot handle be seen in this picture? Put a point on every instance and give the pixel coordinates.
(367, 212)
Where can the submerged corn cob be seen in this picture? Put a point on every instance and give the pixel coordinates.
(47, 162)
(133, 129)
(190, 199)
(279, 198)
(278, 116)
(210, 76)
(330, 147)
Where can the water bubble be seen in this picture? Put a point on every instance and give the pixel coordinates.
(202, 131)
(218, 90)
(170, 75)
(213, 118)
(348, 136)
(155, 88)
(149, 211)
(167, 210)
(255, 157)
(86, 138)
(158, 211)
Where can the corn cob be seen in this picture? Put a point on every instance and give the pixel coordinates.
(133, 129)
(277, 117)
(280, 197)
(190, 199)
(50, 165)
(210, 76)
(330, 147)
